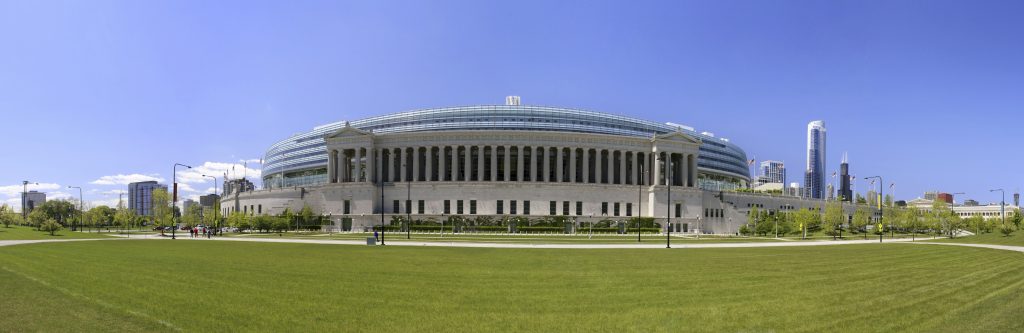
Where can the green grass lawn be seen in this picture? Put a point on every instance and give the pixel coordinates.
(23, 233)
(516, 238)
(159, 285)
(1016, 239)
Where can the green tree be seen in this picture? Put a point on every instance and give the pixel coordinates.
(160, 206)
(193, 216)
(834, 219)
(861, 218)
(58, 210)
(1007, 230)
(860, 199)
(125, 218)
(239, 220)
(49, 225)
(100, 216)
(976, 223)
(910, 220)
(1016, 218)
(7, 216)
(37, 217)
(306, 215)
(753, 217)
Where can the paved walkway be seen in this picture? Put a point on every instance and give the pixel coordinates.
(532, 246)
(561, 246)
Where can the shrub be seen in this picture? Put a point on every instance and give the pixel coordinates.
(1007, 230)
(50, 226)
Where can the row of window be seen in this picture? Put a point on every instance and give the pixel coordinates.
(567, 207)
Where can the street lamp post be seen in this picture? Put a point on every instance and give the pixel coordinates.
(24, 200)
(80, 208)
(174, 200)
(382, 211)
(1002, 205)
(215, 217)
(881, 210)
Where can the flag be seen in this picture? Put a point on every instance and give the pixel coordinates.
(879, 200)
(891, 185)
(750, 162)
(833, 173)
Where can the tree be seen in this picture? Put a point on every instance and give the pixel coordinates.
(940, 216)
(306, 214)
(752, 218)
(37, 217)
(860, 200)
(99, 216)
(1007, 230)
(909, 219)
(160, 206)
(888, 200)
(1016, 218)
(238, 220)
(833, 219)
(49, 225)
(58, 210)
(861, 218)
(193, 216)
(976, 223)
(125, 217)
(7, 216)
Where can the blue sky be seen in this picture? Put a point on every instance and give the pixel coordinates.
(928, 94)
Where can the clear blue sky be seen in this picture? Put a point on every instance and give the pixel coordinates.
(929, 94)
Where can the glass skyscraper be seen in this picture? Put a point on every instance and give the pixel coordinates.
(814, 176)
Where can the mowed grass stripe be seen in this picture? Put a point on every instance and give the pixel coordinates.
(229, 286)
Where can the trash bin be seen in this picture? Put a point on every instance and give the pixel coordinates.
(371, 241)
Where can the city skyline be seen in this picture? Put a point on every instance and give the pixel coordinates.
(146, 90)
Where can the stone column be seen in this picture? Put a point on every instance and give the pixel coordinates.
(519, 163)
(468, 169)
(415, 164)
(546, 170)
(597, 166)
(533, 163)
(559, 163)
(440, 163)
(494, 163)
(480, 170)
(331, 157)
(572, 164)
(455, 163)
(692, 162)
(428, 159)
(359, 165)
(508, 163)
(656, 169)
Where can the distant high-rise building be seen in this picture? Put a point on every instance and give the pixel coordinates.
(944, 197)
(845, 193)
(209, 200)
(238, 186)
(32, 199)
(772, 172)
(970, 202)
(188, 203)
(930, 195)
(814, 176)
(140, 196)
(1016, 199)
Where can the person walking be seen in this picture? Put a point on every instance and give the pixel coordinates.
(375, 237)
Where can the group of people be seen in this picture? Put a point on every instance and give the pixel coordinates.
(198, 232)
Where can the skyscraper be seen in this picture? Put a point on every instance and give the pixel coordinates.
(140, 196)
(814, 176)
(772, 172)
(845, 193)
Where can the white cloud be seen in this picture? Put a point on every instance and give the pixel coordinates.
(183, 187)
(15, 190)
(217, 169)
(120, 179)
(103, 202)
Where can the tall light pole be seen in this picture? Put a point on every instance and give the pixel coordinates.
(80, 207)
(881, 210)
(24, 200)
(174, 199)
(215, 217)
(1002, 205)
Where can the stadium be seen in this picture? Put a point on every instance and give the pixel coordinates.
(501, 160)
